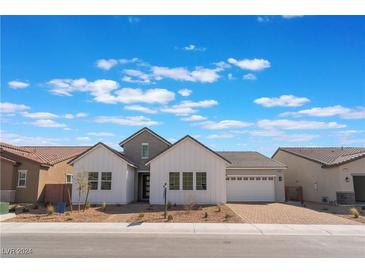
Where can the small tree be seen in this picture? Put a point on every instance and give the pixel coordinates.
(82, 185)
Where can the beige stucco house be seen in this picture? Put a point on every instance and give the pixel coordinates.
(326, 174)
(25, 170)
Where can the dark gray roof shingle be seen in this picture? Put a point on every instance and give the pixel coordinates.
(249, 159)
(327, 156)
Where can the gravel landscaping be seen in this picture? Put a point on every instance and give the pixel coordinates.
(135, 212)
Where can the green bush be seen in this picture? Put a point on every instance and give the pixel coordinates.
(141, 215)
(205, 215)
(50, 209)
(170, 218)
(355, 212)
(169, 205)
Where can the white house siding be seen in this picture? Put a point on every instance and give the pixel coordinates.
(262, 191)
(130, 184)
(100, 159)
(188, 156)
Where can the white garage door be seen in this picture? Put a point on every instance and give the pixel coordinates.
(250, 189)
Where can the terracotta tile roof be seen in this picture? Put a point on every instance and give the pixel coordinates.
(250, 159)
(327, 156)
(45, 155)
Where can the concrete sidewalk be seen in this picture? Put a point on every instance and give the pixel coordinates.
(185, 228)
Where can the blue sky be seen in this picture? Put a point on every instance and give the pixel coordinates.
(234, 83)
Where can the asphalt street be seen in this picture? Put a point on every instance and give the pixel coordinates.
(124, 245)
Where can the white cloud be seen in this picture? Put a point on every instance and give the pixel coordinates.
(132, 74)
(188, 107)
(250, 64)
(77, 115)
(282, 101)
(101, 134)
(39, 115)
(194, 118)
(249, 76)
(140, 121)
(18, 84)
(200, 74)
(224, 124)
(262, 19)
(106, 64)
(230, 76)
(291, 16)
(83, 138)
(47, 123)
(185, 92)
(294, 124)
(16, 139)
(220, 136)
(150, 96)
(140, 109)
(130, 61)
(337, 110)
(192, 47)
(100, 89)
(11, 108)
(222, 65)
(133, 19)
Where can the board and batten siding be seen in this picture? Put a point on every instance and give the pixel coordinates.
(100, 159)
(188, 156)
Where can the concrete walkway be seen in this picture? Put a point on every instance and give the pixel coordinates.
(7, 216)
(184, 228)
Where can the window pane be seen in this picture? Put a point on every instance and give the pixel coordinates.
(187, 181)
(106, 181)
(93, 180)
(93, 185)
(174, 180)
(106, 185)
(145, 150)
(201, 180)
(93, 176)
(106, 176)
(69, 179)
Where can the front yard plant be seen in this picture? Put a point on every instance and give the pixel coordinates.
(355, 212)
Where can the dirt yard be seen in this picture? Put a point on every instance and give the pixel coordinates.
(135, 212)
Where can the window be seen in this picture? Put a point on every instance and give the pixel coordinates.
(145, 151)
(239, 178)
(233, 178)
(22, 178)
(258, 179)
(106, 180)
(174, 180)
(201, 181)
(187, 181)
(264, 178)
(252, 178)
(245, 178)
(93, 180)
(68, 178)
(280, 178)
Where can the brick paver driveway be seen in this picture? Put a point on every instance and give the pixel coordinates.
(279, 213)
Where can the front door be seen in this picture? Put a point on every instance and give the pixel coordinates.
(145, 186)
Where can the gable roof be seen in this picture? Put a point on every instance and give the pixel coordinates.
(327, 156)
(119, 154)
(2, 158)
(44, 155)
(196, 141)
(250, 159)
(141, 131)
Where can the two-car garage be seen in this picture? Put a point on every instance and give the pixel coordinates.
(253, 177)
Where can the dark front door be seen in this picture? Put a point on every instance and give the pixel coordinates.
(145, 186)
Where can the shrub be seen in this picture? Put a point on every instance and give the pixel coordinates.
(35, 206)
(169, 205)
(141, 215)
(170, 218)
(103, 206)
(205, 215)
(355, 212)
(50, 210)
(218, 209)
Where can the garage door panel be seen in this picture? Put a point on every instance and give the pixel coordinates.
(250, 189)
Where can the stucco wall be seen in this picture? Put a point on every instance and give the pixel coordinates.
(188, 156)
(305, 173)
(99, 160)
(7, 178)
(133, 148)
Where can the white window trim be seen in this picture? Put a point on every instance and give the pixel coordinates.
(26, 174)
(148, 151)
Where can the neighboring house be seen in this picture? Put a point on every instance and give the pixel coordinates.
(193, 172)
(109, 174)
(326, 174)
(25, 170)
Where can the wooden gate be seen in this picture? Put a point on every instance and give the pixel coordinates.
(55, 193)
(294, 193)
